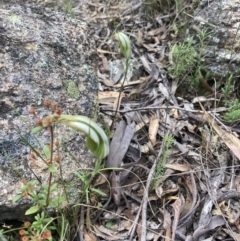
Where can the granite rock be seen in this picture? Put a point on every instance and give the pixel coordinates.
(220, 22)
(40, 51)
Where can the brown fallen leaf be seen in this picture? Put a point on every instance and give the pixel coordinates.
(157, 31)
(171, 188)
(135, 82)
(179, 167)
(141, 124)
(89, 236)
(102, 178)
(139, 38)
(109, 234)
(202, 231)
(105, 67)
(232, 142)
(167, 225)
(153, 129)
(116, 188)
(106, 82)
(177, 206)
(191, 197)
(145, 63)
(105, 51)
(233, 234)
(139, 230)
(108, 96)
(150, 47)
(175, 113)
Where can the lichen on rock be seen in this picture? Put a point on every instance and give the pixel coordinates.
(72, 89)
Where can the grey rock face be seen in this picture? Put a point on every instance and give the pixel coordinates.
(44, 55)
(220, 20)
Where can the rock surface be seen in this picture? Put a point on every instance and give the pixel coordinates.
(220, 20)
(43, 55)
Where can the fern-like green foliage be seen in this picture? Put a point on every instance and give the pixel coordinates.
(183, 64)
(227, 89)
(167, 143)
(232, 116)
(233, 113)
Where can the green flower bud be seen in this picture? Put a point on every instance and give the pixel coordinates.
(125, 44)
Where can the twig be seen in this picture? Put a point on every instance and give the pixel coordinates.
(152, 108)
(134, 225)
(171, 95)
(51, 161)
(160, 108)
(120, 93)
(145, 197)
(180, 235)
(81, 224)
(131, 195)
(133, 8)
(103, 208)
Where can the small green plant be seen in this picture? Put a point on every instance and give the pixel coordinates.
(167, 143)
(183, 63)
(186, 62)
(50, 196)
(233, 106)
(227, 89)
(68, 8)
(40, 229)
(233, 114)
(39, 198)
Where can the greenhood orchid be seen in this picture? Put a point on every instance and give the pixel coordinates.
(97, 140)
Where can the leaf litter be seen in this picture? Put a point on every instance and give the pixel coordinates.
(198, 188)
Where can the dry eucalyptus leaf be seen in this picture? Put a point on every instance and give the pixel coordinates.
(153, 129)
(89, 236)
(167, 224)
(139, 40)
(179, 167)
(109, 234)
(233, 234)
(229, 139)
(105, 51)
(109, 96)
(120, 143)
(177, 206)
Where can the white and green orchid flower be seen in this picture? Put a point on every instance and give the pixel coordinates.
(125, 44)
(97, 140)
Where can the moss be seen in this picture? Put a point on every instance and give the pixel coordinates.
(72, 89)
